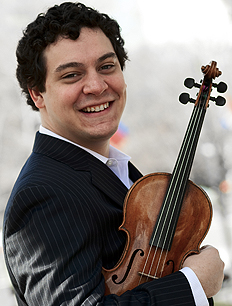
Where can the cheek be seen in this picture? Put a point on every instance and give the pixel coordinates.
(118, 83)
(120, 87)
(71, 94)
(124, 94)
(64, 99)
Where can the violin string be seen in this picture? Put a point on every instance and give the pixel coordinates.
(156, 249)
(144, 267)
(189, 146)
(188, 139)
(182, 170)
(164, 261)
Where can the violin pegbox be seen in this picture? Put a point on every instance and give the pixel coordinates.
(210, 72)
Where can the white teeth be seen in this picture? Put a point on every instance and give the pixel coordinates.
(97, 108)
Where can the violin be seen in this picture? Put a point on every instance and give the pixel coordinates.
(166, 216)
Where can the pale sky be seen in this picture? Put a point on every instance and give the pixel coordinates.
(156, 21)
(185, 20)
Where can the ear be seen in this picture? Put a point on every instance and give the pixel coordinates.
(37, 97)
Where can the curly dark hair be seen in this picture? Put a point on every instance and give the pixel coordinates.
(65, 20)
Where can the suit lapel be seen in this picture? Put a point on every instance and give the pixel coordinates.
(105, 180)
(102, 177)
(108, 182)
(134, 173)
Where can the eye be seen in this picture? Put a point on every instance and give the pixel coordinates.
(70, 75)
(107, 67)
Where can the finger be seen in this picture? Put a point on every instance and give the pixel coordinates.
(205, 247)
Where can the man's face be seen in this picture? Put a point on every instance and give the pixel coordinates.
(85, 89)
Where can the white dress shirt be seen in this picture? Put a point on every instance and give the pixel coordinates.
(118, 163)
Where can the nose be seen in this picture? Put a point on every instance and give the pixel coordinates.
(94, 84)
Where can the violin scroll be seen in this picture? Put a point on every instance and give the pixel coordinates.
(210, 72)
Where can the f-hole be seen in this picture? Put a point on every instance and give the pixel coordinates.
(171, 262)
(114, 277)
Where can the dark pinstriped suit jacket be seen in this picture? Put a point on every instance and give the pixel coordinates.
(60, 228)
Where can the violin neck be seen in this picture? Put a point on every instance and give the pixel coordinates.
(167, 220)
(181, 171)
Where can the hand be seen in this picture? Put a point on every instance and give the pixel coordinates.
(208, 267)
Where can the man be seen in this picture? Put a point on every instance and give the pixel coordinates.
(61, 222)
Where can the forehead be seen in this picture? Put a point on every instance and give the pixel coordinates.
(89, 46)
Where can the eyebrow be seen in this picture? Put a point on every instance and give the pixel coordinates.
(77, 65)
(68, 65)
(105, 56)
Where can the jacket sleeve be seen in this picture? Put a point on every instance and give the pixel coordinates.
(53, 252)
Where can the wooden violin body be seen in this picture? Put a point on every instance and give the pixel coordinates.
(142, 207)
(165, 216)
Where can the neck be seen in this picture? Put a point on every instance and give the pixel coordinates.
(101, 148)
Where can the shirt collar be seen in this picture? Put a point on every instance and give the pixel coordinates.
(113, 152)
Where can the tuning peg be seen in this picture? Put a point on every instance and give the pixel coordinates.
(221, 87)
(190, 83)
(219, 101)
(184, 98)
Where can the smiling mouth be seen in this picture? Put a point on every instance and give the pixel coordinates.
(97, 108)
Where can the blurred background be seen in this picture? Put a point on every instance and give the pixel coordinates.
(167, 41)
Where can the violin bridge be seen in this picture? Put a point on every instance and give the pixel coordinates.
(148, 275)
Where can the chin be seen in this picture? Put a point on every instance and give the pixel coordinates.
(105, 132)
